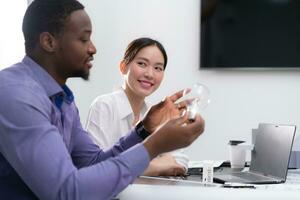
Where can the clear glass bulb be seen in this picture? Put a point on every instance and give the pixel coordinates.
(197, 98)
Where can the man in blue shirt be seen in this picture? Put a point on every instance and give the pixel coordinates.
(44, 152)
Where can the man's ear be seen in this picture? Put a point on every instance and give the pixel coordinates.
(123, 67)
(48, 42)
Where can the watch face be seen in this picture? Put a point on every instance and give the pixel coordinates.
(141, 131)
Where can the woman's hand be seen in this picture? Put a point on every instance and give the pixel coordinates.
(164, 165)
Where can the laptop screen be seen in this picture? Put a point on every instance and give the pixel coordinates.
(273, 145)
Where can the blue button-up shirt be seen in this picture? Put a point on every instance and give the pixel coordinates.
(44, 151)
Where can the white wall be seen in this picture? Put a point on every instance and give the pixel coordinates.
(11, 37)
(240, 99)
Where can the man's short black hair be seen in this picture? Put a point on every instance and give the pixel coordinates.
(46, 16)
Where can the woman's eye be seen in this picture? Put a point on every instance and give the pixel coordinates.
(142, 64)
(160, 69)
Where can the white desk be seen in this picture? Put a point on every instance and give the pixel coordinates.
(153, 188)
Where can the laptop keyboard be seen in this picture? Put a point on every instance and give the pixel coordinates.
(251, 176)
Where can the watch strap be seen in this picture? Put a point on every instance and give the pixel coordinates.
(141, 131)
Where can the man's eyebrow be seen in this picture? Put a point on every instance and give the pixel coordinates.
(87, 31)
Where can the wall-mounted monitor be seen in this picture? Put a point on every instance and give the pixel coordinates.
(250, 33)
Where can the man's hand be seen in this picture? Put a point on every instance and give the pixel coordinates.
(174, 134)
(164, 111)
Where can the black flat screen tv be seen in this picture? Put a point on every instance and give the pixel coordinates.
(250, 33)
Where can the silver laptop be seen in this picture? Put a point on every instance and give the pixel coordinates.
(269, 159)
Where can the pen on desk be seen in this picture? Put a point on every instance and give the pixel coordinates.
(237, 185)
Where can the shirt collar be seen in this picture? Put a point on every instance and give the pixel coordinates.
(65, 96)
(124, 104)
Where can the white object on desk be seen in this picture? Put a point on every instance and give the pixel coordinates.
(166, 189)
(174, 192)
(208, 171)
(237, 154)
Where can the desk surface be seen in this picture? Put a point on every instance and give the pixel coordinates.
(160, 188)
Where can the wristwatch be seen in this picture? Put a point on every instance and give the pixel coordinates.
(141, 131)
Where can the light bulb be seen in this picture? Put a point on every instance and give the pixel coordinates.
(197, 98)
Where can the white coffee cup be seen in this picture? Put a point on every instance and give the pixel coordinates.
(237, 153)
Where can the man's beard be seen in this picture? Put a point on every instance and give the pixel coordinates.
(82, 74)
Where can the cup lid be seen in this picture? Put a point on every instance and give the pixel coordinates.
(235, 142)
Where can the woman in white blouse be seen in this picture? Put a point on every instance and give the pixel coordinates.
(113, 115)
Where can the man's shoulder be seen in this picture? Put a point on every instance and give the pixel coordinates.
(16, 75)
(16, 83)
